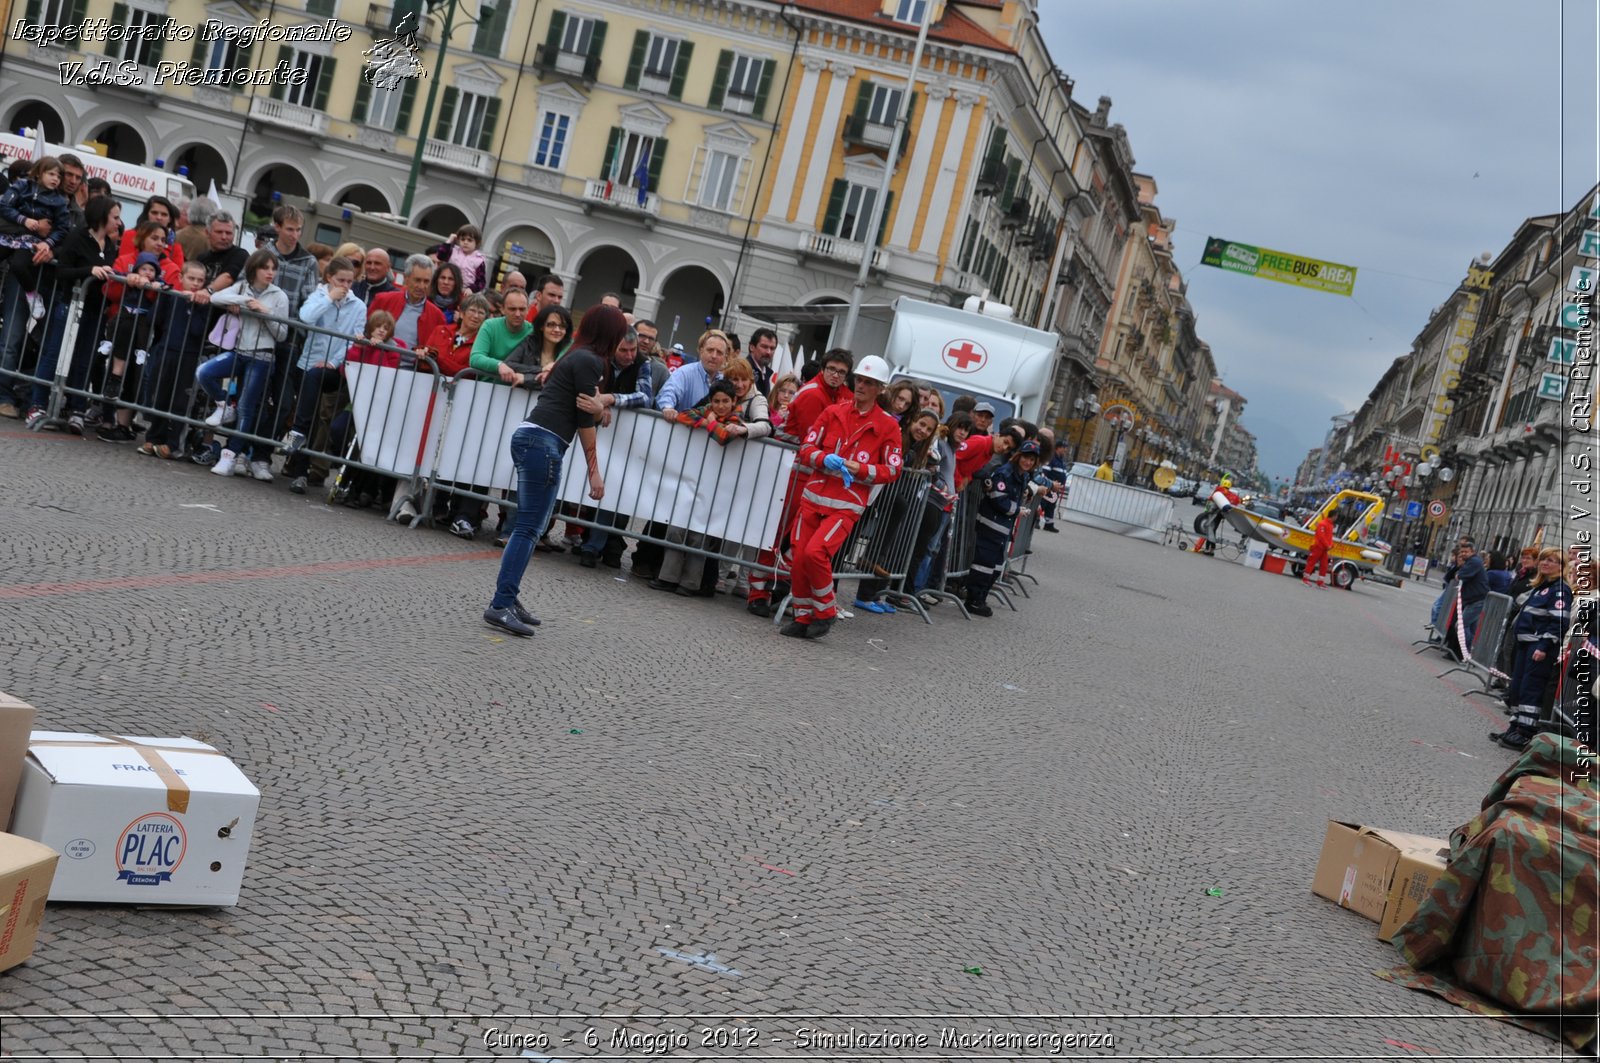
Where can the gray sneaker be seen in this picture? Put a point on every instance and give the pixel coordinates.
(298, 485)
(507, 620)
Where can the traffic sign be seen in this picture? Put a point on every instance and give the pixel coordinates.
(1413, 510)
(1436, 509)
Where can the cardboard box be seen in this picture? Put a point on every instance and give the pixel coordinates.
(16, 723)
(1382, 874)
(1274, 563)
(1255, 552)
(140, 820)
(25, 871)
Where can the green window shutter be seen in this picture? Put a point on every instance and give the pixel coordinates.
(763, 88)
(201, 48)
(402, 8)
(75, 13)
(964, 257)
(597, 42)
(244, 64)
(324, 84)
(680, 69)
(119, 17)
(447, 114)
(830, 219)
(30, 12)
(491, 118)
(358, 113)
(1013, 171)
(408, 97)
(997, 144)
(658, 155)
(863, 100)
(719, 80)
(883, 222)
(284, 52)
(612, 144)
(641, 44)
(558, 26)
(485, 38)
(905, 134)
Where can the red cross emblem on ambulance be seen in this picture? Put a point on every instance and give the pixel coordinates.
(965, 356)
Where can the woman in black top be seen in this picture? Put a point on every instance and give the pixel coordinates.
(87, 252)
(568, 406)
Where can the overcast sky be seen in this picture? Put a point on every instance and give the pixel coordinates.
(1400, 138)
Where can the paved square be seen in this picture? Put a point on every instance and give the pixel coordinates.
(746, 824)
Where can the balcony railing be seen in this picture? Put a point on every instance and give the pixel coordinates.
(859, 130)
(991, 177)
(456, 157)
(288, 115)
(739, 104)
(655, 81)
(822, 245)
(548, 58)
(622, 197)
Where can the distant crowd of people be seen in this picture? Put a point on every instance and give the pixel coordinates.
(236, 359)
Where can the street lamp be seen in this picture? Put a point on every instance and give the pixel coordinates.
(1084, 409)
(1124, 421)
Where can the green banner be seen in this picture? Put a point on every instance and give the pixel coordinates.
(1279, 266)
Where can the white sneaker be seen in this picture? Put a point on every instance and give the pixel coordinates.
(261, 470)
(35, 305)
(225, 463)
(225, 413)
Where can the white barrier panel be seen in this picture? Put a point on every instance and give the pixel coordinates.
(1114, 507)
(734, 492)
(394, 414)
(476, 444)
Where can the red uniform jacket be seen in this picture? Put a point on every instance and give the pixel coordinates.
(395, 303)
(125, 249)
(972, 456)
(1323, 540)
(808, 404)
(171, 275)
(871, 438)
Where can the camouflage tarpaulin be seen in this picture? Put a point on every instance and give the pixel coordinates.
(1510, 927)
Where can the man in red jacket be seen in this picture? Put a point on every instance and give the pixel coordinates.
(851, 447)
(415, 315)
(1321, 543)
(822, 391)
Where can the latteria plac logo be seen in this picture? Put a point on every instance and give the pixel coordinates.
(150, 849)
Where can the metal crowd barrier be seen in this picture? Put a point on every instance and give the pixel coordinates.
(879, 547)
(1436, 641)
(1120, 508)
(65, 363)
(1485, 649)
(1016, 565)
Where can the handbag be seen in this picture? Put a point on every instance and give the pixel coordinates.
(225, 333)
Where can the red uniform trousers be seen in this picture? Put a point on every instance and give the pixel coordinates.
(1318, 556)
(818, 534)
(778, 555)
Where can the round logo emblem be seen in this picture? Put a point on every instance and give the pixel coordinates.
(78, 849)
(965, 356)
(150, 849)
(1435, 509)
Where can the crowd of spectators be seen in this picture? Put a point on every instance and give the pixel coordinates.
(235, 359)
(1543, 667)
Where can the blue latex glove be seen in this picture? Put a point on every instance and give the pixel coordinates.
(835, 463)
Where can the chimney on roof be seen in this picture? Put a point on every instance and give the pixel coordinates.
(1103, 111)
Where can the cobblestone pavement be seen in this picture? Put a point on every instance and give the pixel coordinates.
(747, 825)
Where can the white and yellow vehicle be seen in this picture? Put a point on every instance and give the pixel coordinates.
(1355, 552)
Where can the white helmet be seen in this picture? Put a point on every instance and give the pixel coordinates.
(873, 368)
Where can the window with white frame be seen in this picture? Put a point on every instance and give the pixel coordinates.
(466, 127)
(744, 83)
(911, 11)
(551, 147)
(634, 149)
(304, 93)
(577, 35)
(133, 43)
(719, 181)
(223, 54)
(383, 109)
(885, 106)
(661, 57)
(856, 213)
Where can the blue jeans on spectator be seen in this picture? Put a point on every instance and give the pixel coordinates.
(49, 354)
(253, 374)
(14, 308)
(537, 455)
(924, 569)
